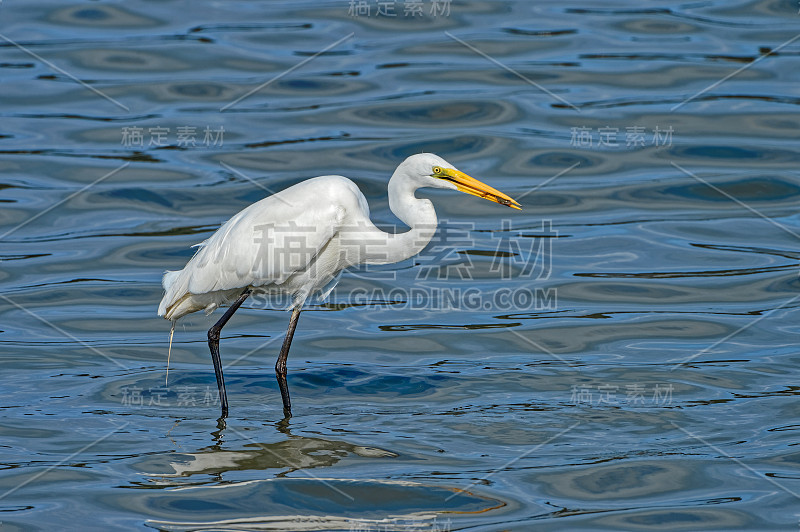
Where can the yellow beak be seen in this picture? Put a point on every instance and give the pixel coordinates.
(470, 185)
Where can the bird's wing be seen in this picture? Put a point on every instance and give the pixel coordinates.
(253, 249)
(268, 241)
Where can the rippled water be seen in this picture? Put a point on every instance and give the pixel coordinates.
(660, 226)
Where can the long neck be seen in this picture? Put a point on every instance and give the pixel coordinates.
(416, 213)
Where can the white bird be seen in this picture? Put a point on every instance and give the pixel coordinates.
(295, 242)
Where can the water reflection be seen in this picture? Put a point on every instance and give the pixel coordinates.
(294, 453)
(234, 492)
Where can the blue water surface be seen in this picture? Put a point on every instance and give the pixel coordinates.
(619, 355)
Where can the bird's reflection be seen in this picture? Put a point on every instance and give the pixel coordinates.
(239, 483)
(284, 457)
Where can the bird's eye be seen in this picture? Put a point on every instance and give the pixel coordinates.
(437, 170)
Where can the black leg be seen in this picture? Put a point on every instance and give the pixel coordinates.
(280, 365)
(213, 345)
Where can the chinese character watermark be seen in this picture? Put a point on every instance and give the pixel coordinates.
(524, 255)
(160, 137)
(287, 248)
(611, 137)
(402, 524)
(395, 8)
(636, 394)
(194, 396)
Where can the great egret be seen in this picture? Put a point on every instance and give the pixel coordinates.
(296, 241)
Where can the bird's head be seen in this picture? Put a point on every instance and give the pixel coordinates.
(429, 170)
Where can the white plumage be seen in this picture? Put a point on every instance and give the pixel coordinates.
(244, 252)
(295, 243)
